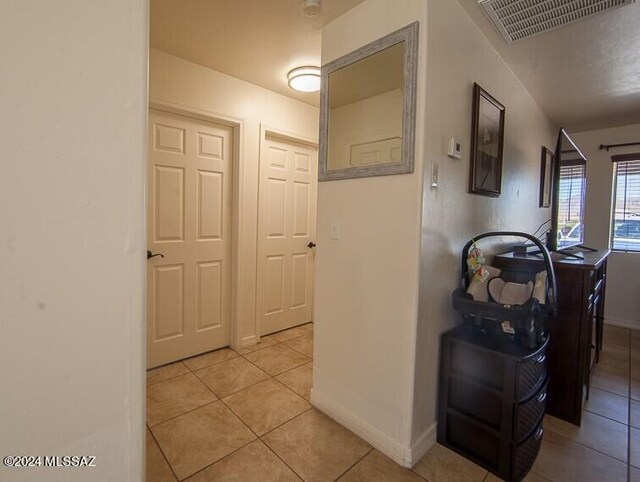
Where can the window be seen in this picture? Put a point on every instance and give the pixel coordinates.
(626, 203)
(573, 182)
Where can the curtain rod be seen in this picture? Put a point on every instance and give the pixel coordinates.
(611, 146)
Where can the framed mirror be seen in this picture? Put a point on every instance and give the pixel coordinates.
(368, 109)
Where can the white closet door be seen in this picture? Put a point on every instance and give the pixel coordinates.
(286, 226)
(189, 222)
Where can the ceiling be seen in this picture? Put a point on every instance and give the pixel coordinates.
(585, 75)
(258, 41)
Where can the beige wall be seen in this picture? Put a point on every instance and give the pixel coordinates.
(72, 235)
(185, 85)
(622, 304)
(367, 282)
(458, 55)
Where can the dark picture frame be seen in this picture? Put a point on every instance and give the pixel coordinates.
(547, 161)
(487, 144)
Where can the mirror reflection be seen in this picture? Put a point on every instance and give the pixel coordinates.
(366, 110)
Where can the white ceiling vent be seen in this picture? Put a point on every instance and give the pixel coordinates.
(520, 19)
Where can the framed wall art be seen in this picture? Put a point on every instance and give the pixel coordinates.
(487, 144)
(546, 177)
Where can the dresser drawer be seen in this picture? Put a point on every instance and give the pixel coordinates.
(527, 415)
(530, 375)
(524, 455)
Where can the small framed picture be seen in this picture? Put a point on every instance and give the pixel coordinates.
(546, 177)
(487, 143)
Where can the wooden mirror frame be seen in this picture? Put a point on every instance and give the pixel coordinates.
(409, 35)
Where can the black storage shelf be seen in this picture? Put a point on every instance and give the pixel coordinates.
(492, 400)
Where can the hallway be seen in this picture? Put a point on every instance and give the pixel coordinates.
(229, 415)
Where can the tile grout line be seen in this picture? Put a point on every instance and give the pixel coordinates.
(273, 377)
(220, 399)
(421, 476)
(240, 390)
(289, 389)
(278, 426)
(597, 415)
(257, 437)
(188, 411)
(276, 342)
(603, 416)
(170, 378)
(290, 369)
(219, 460)
(531, 471)
(290, 420)
(162, 452)
(281, 459)
(297, 351)
(214, 363)
(239, 418)
(269, 376)
(587, 446)
(608, 391)
(354, 464)
(628, 461)
(287, 370)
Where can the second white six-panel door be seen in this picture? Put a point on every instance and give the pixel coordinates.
(286, 226)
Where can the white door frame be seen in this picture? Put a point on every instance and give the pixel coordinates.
(266, 130)
(237, 125)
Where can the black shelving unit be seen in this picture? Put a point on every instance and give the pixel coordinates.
(492, 400)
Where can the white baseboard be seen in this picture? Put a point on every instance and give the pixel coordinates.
(396, 451)
(632, 325)
(248, 341)
(423, 444)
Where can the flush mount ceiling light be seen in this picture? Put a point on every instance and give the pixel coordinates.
(518, 20)
(304, 79)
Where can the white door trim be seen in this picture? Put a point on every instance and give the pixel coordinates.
(238, 130)
(266, 130)
(269, 131)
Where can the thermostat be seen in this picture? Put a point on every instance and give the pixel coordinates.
(455, 148)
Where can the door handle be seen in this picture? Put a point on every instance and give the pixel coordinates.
(152, 255)
(311, 244)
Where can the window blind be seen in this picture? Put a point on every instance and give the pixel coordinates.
(571, 199)
(626, 209)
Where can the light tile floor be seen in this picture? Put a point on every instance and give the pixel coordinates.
(245, 416)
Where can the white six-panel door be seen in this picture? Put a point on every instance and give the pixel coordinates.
(286, 225)
(189, 222)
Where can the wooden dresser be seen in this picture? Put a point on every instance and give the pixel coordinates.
(576, 332)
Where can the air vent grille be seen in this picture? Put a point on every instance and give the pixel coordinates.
(520, 19)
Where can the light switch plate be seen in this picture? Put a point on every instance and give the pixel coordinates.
(335, 231)
(434, 175)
